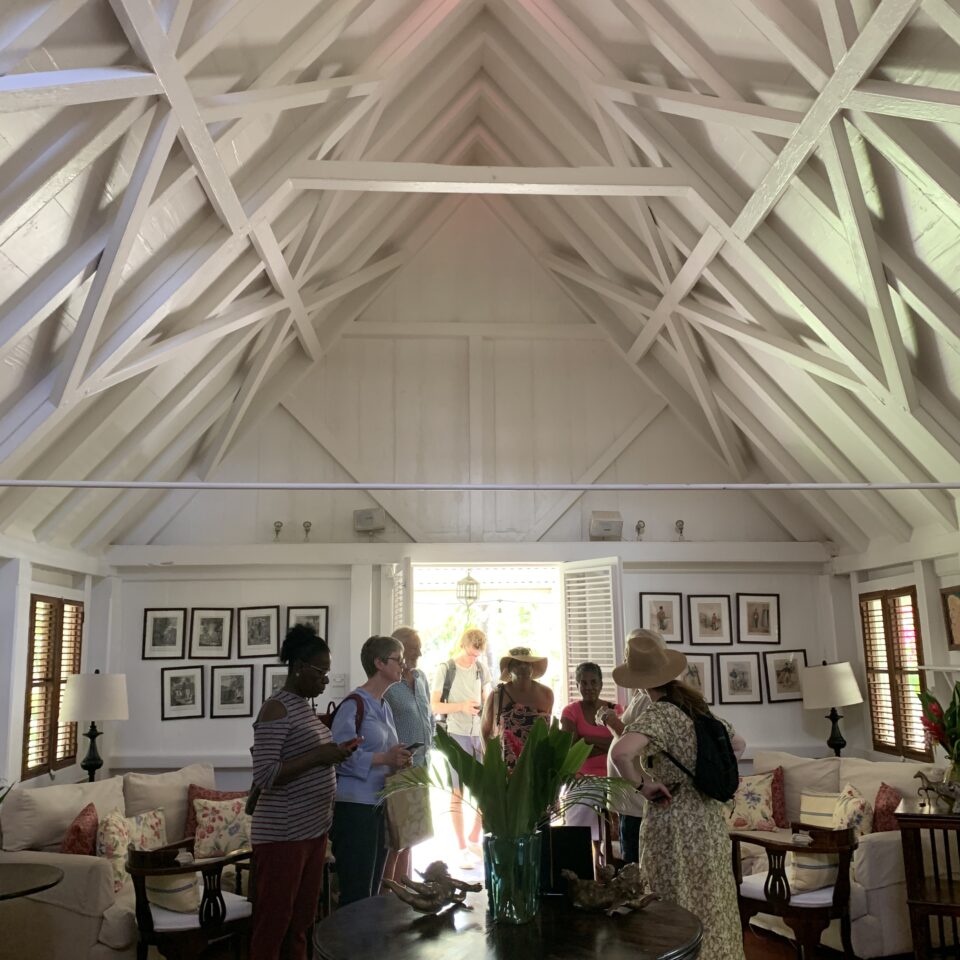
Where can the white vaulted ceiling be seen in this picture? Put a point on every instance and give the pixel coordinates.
(755, 204)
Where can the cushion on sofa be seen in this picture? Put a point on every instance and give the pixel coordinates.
(36, 817)
(223, 826)
(779, 800)
(81, 835)
(868, 775)
(811, 871)
(146, 831)
(145, 791)
(853, 810)
(799, 774)
(887, 800)
(179, 892)
(196, 792)
(753, 804)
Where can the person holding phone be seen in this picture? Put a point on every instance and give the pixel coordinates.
(293, 760)
(358, 833)
(410, 702)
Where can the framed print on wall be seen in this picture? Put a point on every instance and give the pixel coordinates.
(951, 615)
(181, 693)
(699, 675)
(739, 677)
(783, 669)
(274, 677)
(231, 691)
(164, 633)
(758, 617)
(710, 620)
(259, 631)
(316, 617)
(211, 631)
(663, 612)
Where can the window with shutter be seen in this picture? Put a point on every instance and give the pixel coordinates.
(56, 629)
(593, 621)
(893, 655)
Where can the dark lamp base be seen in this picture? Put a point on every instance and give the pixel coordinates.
(835, 741)
(92, 762)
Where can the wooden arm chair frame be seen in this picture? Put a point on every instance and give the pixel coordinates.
(807, 922)
(212, 925)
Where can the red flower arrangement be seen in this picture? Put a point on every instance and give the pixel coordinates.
(942, 726)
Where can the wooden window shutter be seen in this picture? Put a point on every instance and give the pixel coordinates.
(593, 621)
(56, 628)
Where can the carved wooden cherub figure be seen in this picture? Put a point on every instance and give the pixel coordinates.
(437, 890)
(611, 891)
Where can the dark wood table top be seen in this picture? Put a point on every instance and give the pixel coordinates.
(22, 879)
(387, 927)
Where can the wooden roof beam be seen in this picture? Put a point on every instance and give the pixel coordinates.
(67, 88)
(30, 30)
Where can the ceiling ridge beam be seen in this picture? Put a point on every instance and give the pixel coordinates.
(492, 330)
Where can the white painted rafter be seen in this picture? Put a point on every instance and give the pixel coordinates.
(67, 88)
(30, 30)
(906, 100)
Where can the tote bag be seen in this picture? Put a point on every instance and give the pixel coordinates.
(408, 817)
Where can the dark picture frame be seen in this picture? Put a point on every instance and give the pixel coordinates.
(738, 677)
(663, 612)
(699, 674)
(181, 693)
(164, 633)
(758, 618)
(272, 672)
(231, 690)
(783, 670)
(702, 611)
(258, 632)
(211, 633)
(950, 599)
(315, 615)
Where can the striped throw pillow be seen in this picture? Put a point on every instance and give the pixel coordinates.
(812, 871)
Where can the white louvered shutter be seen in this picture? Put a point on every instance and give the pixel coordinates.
(401, 593)
(592, 620)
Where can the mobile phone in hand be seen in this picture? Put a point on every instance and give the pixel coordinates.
(414, 746)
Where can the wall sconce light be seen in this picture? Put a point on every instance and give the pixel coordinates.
(277, 527)
(640, 527)
(306, 529)
(678, 526)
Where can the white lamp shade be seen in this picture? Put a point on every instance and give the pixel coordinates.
(95, 696)
(830, 685)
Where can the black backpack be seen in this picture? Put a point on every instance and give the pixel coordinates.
(450, 671)
(716, 773)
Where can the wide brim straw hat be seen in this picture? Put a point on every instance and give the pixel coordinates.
(649, 663)
(523, 655)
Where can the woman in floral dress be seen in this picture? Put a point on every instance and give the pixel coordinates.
(684, 843)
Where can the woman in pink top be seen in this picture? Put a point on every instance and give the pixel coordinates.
(580, 719)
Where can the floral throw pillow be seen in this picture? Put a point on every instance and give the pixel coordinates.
(146, 831)
(753, 804)
(196, 792)
(853, 810)
(222, 827)
(81, 835)
(886, 802)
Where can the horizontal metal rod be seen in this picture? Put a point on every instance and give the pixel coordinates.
(464, 487)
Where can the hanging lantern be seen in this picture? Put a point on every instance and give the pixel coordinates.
(468, 590)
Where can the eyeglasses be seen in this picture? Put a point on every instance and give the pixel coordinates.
(398, 660)
(322, 672)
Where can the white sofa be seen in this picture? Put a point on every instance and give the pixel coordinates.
(81, 917)
(878, 900)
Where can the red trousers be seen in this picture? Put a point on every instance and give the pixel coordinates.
(287, 881)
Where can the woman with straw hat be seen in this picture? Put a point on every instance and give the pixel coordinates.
(684, 844)
(517, 702)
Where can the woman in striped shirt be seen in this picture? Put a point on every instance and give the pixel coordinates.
(293, 759)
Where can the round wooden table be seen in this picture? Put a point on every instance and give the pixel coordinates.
(387, 927)
(22, 879)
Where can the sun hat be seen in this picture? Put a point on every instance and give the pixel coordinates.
(523, 655)
(649, 663)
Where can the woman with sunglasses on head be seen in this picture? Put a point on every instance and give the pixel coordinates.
(358, 833)
(293, 758)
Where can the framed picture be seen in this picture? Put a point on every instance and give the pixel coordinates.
(163, 633)
(210, 634)
(710, 620)
(231, 691)
(259, 631)
(699, 675)
(783, 669)
(274, 677)
(951, 615)
(316, 617)
(663, 612)
(739, 676)
(758, 617)
(181, 692)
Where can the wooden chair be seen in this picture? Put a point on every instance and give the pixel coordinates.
(809, 913)
(183, 936)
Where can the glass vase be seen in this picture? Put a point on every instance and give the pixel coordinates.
(953, 771)
(511, 867)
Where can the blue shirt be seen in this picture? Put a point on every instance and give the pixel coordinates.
(412, 714)
(359, 780)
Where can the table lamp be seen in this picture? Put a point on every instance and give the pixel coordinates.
(831, 685)
(103, 695)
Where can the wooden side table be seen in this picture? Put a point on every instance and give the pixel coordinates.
(931, 861)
